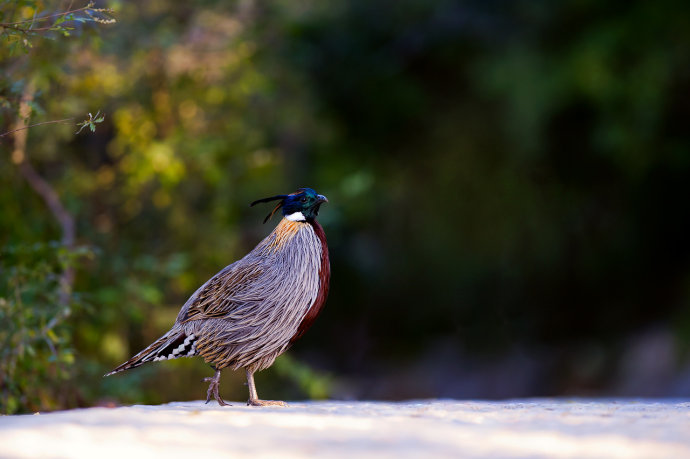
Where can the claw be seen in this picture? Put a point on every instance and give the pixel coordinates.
(213, 389)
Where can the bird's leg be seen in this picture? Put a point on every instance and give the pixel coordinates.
(254, 397)
(213, 389)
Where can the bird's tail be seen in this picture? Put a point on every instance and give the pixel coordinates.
(174, 344)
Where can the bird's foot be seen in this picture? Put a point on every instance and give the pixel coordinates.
(213, 391)
(257, 402)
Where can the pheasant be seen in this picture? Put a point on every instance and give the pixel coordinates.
(256, 308)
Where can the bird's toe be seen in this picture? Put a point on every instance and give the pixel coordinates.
(257, 402)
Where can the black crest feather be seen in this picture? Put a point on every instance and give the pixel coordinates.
(272, 198)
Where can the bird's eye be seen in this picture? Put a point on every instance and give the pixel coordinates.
(304, 199)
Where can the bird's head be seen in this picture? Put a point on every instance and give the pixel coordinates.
(302, 205)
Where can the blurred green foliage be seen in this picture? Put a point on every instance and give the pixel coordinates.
(36, 347)
(501, 175)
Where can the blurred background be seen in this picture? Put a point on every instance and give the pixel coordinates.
(508, 186)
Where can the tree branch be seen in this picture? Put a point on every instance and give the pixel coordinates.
(36, 124)
(22, 27)
(45, 18)
(43, 189)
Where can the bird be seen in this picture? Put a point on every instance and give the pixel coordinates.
(254, 309)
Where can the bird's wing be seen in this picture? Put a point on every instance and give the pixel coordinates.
(236, 288)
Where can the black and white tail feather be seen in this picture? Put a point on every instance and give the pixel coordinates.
(172, 345)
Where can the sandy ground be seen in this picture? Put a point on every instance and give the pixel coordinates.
(434, 428)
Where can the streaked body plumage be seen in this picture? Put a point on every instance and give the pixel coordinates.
(255, 308)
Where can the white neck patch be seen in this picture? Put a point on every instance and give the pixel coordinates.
(296, 217)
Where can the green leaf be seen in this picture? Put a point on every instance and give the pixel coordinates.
(52, 336)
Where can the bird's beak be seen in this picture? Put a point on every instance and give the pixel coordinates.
(322, 198)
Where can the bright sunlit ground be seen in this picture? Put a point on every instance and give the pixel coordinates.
(442, 428)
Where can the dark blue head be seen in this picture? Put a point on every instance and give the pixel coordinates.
(302, 205)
